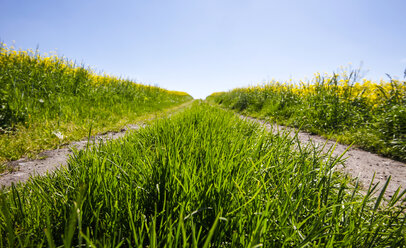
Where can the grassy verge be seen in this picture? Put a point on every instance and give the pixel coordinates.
(47, 101)
(339, 106)
(201, 178)
(37, 137)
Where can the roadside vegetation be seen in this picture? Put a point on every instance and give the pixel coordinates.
(372, 115)
(47, 101)
(200, 178)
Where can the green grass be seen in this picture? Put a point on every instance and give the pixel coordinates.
(340, 106)
(46, 101)
(200, 178)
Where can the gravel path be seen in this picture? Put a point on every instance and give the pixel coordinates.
(53, 159)
(359, 163)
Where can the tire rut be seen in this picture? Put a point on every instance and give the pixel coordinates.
(358, 163)
(23, 168)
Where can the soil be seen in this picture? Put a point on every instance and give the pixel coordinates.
(358, 163)
(23, 169)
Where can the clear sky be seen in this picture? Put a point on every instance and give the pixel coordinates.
(204, 46)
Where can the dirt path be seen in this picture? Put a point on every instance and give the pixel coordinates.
(23, 168)
(359, 163)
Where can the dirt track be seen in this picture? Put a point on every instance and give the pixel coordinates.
(53, 158)
(23, 169)
(359, 163)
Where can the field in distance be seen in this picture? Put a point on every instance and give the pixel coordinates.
(372, 115)
(47, 101)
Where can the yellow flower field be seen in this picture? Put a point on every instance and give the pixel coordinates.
(371, 114)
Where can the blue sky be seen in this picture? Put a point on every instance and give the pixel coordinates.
(213, 45)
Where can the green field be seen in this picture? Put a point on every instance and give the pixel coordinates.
(196, 177)
(201, 178)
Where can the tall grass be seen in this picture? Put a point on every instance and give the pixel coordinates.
(373, 115)
(201, 178)
(48, 100)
